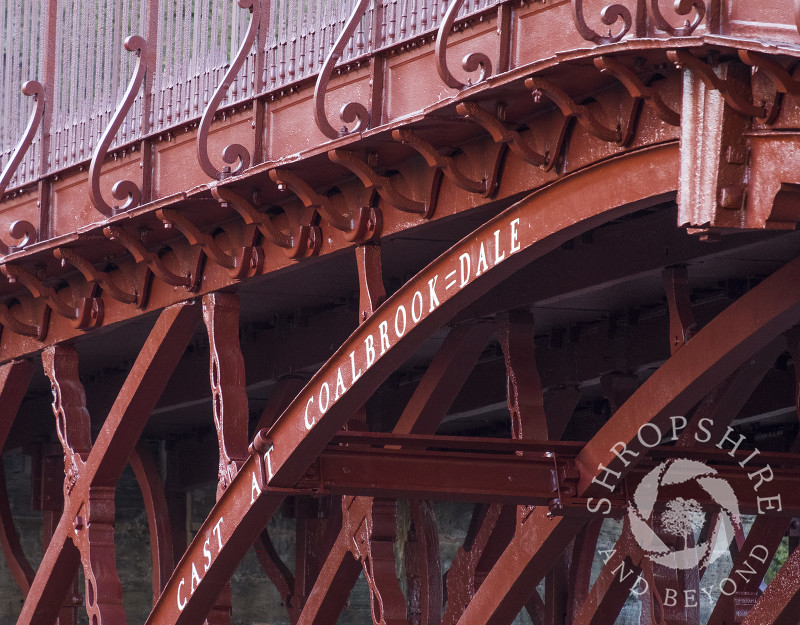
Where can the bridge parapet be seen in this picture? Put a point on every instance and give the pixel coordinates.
(76, 53)
(423, 118)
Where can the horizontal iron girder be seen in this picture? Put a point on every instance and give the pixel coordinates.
(510, 471)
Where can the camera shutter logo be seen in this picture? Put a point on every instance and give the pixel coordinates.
(683, 517)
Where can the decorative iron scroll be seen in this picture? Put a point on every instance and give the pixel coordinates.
(472, 62)
(122, 189)
(23, 232)
(682, 7)
(234, 151)
(35, 89)
(609, 16)
(351, 111)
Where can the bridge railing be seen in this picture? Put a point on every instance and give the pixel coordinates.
(75, 49)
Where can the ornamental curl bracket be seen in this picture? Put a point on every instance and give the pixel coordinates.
(727, 88)
(85, 313)
(351, 111)
(234, 151)
(305, 243)
(682, 7)
(190, 281)
(609, 16)
(37, 330)
(92, 274)
(781, 78)
(35, 89)
(384, 185)
(22, 231)
(246, 262)
(472, 62)
(502, 134)
(581, 112)
(638, 89)
(364, 227)
(122, 189)
(486, 187)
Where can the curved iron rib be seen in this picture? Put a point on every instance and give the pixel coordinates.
(472, 62)
(234, 151)
(351, 111)
(122, 189)
(35, 89)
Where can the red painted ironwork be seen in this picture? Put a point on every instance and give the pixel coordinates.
(589, 252)
(124, 189)
(351, 111)
(472, 62)
(233, 152)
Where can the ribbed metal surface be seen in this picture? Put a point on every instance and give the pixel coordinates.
(195, 42)
(21, 32)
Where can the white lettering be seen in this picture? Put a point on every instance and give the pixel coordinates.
(400, 332)
(771, 501)
(722, 587)
(690, 598)
(600, 502)
(327, 389)
(515, 246)
(726, 438)
(749, 458)
(621, 453)
(218, 532)
(383, 328)
(416, 316)
(268, 458)
(255, 489)
(481, 261)
(645, 586)
(675, 428)
(195, 580)
(606, 471)
(763, 550)
(657, 439)
(701, 426)
(743, 572)
(207, 552)
(607, 553)
(181, 604)
(432, 293)
(671, 598)
(764, 475)
(339, 384)
(353, 364)
(497, 255)
(465, 268)
(309, 424)
(369, 346)
(623, 575)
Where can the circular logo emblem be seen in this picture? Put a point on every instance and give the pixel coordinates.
(683, 518)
